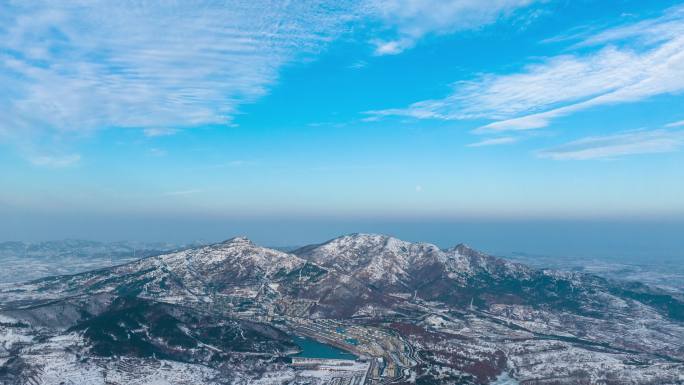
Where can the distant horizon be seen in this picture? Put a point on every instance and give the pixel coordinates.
(635, 240)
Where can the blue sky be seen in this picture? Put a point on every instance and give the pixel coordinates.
(422, 110)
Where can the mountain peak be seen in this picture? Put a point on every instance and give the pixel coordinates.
(238, 240)
(463, 249)
(236, 260)
(366, 243)
(367, 239)
(377, 258)
(364, 236)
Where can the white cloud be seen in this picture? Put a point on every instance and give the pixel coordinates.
(656, 72)
(73, 66)
(649, 31)
(55, 161)
(494, 141)
(563, 85)
(675, 124)
(618, 145)
(413, 19)
(159, 131)
(393, 47)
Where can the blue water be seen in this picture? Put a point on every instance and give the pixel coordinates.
(314, 349)
(504, 379)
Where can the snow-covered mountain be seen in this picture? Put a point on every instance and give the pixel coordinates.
(387, 262)
(440, 314)
(192, 275)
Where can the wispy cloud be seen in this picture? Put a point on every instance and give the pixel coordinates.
(159, 131)
(359, 64)
(55, 161)
(675, 124)
(494, 141)
(411, 20)
(562, 85)
(650, 31)
(618, 145)
(81, 66)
